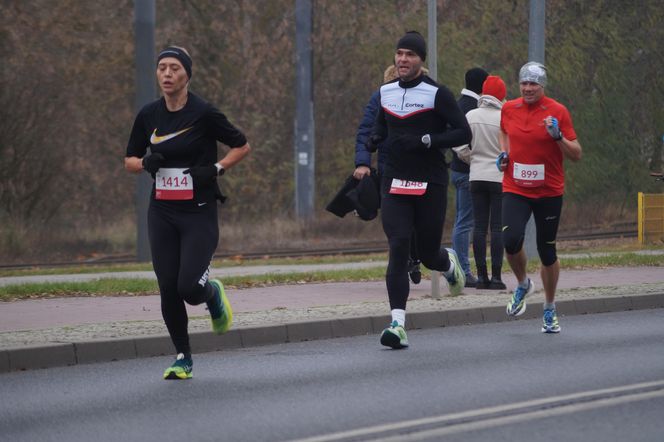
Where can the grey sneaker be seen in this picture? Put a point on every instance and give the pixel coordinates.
(471, 281)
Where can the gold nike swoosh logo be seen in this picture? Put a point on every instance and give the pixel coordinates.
(156, 139)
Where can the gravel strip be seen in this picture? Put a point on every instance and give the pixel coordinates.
(87, 332)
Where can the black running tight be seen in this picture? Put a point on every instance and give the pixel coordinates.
(401, 215)
(183, 238)
(546, 212)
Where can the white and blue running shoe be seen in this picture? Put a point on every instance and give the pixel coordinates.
(550, 322)
(517, 304)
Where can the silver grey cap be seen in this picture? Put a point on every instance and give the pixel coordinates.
(534, 72)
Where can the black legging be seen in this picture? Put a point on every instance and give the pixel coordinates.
(183, 238)
(401, 215)
(487, 205)
(546, 212)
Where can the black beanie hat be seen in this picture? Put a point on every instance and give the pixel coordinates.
(180, 55)
(414, 41)
(475, 79)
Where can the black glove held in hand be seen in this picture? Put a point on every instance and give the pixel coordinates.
(373, 142)
(202, 172)
(410, 143)
(152, 163)
(554, 130)
(502, 161)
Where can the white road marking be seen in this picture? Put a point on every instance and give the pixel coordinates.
(583, 401)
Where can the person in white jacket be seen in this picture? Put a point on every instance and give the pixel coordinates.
(486, 186)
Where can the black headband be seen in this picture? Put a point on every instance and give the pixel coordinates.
(178, 54)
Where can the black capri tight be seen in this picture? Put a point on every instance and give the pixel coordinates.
(401, 215)
(183, 238)
(546, 211)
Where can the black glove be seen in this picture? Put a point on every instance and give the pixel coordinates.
(554, 130)
(410, 143)
(373, 142)
(502, 161)
(152, 163)
(203, 172)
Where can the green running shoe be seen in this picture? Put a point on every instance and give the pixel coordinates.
(221, 313)
(181, 368)
(394, 336)
(517, 304)
(550, 320)
(457, 281)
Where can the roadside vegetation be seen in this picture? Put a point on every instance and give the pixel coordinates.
(217, 263)
(603, 59)
(579, 259)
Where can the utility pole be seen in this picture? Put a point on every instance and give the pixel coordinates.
(432, 55)
(536, 37)
(432, 39)
(536, 30)
(144, 22)
(304, 113)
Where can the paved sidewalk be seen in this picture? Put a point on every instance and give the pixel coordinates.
(66, 331)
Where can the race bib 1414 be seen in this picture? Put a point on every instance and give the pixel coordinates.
(172, 184)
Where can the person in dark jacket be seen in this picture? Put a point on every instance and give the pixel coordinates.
(463, 221)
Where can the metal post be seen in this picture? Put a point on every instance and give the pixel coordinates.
(536, 37)
(144, 23)
(432, 55)
(432, 50)
(304, 112)
(536, 30)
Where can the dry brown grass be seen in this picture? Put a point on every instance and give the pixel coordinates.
(325, 231)
(49, 244)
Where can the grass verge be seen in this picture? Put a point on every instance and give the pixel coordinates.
(217, 263)
(138, 287)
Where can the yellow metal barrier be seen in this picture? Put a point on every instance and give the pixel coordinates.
(651, 218)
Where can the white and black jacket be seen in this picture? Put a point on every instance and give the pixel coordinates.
(410, 110)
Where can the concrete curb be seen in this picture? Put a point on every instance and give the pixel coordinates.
(58, 355)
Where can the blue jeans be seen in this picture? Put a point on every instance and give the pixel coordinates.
(463, 221)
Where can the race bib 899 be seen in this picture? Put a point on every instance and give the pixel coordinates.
(528, 175)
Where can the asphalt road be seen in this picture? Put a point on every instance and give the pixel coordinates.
(601, 379)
